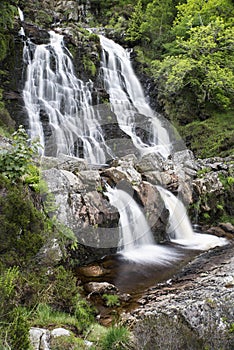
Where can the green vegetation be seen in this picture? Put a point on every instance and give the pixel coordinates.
(8, 10)
(117, 338)
(211, 137)
(111, 300)
(16, 161)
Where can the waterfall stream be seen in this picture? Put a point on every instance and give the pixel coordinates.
(134, 229)
(180, 229)
(53, 93)
(128, 101)
(136, 241)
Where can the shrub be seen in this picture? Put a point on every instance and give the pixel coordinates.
(16, 161)
(22, 225)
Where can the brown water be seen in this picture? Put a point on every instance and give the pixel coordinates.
(130, 277)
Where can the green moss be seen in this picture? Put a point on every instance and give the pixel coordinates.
(89, 66)
(211, 137)
(43, 18)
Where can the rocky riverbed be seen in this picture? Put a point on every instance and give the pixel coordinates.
(193, 310)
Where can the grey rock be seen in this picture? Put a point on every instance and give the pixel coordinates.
(193, 312)
(59, 332)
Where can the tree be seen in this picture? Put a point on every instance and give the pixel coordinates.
(134, 32)
(195, 13)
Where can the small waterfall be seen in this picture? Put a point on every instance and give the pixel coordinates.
(21, 16)
(134, 229)
(136, 240)
(127, 100)
(55, 97)
(180, 229)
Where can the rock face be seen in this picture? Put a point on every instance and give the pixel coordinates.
(82, 205)
(193, 310)
(213, 190)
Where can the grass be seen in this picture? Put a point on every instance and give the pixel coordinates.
(117, 338)
(45, 316)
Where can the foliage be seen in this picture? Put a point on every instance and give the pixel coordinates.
(45, 316)
(22, 225)
(134, 32)
(96, 333)
(111, 300)
(67, 343)
(210, 137)
(14, 327)
(8, 10)
(204, 68)
(117, 338)
(196, 13)
(15, 162)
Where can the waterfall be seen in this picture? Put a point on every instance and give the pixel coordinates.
(55, 97)
(180, 229)
(21, 16)
(136, 240)
(134, 229)
(128, 101)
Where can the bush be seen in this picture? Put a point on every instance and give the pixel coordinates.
(22, 225)
(17, 161)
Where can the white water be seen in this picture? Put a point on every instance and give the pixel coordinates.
(21, 16)
(127, 99)
(180, 229)
(52, 88)
(136, 239)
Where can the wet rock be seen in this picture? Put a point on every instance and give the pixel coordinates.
(92, 271)
(150, 162)
(153, 208)
(227, 227)
(64, 162)
(223, 230)
(100, 287)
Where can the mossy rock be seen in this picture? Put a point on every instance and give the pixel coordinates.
(211, 137)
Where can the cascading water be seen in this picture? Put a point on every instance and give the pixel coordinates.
(127, 100)
(21, 16)
(52, 90)
(136, 240)
(180, 229)
(134, 229)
